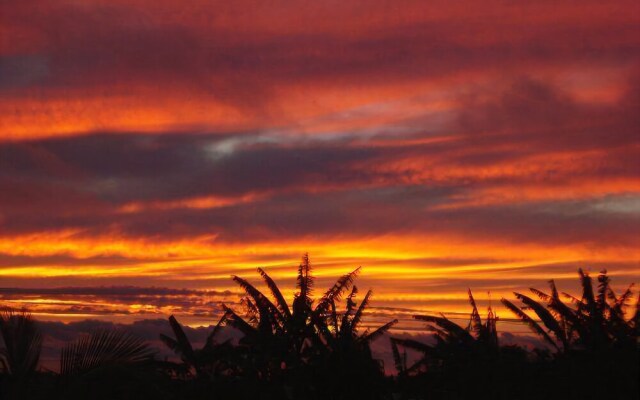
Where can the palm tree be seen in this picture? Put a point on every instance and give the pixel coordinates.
(454, 343)
(348, 367)
(464, 362)
(282, 334)
(341, 332)
(206, 362)
(595, 322)
(295, 344)
(592, 336)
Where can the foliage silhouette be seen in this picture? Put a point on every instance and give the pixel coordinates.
(349, 368)
(596, 322)
(102, 350)
(292, 345)
(319, 347)
(21, 351)
(453, 342)
(106, 364)
(22, 343)
(593, 336)
(209, 361)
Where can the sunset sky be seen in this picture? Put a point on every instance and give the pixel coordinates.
(151, 149)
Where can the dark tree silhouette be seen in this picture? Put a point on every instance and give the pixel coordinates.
(453, 342)
(283, 335)
(296, 345)
(106, 364)
(349, 369)
(103, 350)
(341, 332)
(22, 344)
(213, 359)
(595, 322)
(595, 335)
(320, 348)
(461, 359)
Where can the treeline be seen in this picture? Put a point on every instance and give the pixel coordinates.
(316, 348)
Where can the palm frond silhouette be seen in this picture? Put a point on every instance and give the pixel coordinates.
(208, 361)
(283, 341)
(595, 322)
(341, 332)
(454, 343)
(103, 350)
(22, 343)
(276, 327)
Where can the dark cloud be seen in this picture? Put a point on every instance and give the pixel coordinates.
(106, 44)
(21, 71)
(310, 194)
(147, 167)
(396, 210)
(542, 117)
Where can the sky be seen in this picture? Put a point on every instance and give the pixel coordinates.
(151, 149)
